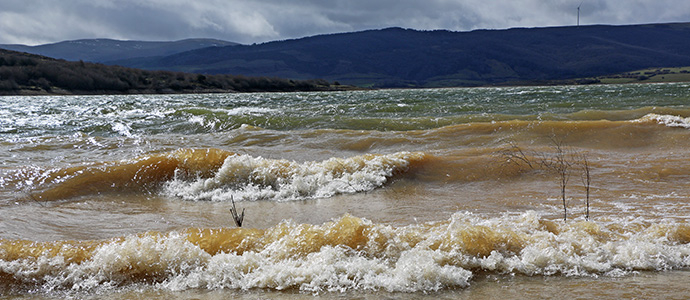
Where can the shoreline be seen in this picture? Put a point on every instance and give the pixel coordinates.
(62, 92)
(340, 88)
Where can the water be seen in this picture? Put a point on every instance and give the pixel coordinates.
(443, 193)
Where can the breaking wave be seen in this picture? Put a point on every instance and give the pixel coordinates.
(134, 175)
(349, 253)
(668, 120)
(247, 178)
(218, 175)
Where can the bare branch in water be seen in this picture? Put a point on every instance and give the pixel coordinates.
(32, 197)
(586, 181)
(515, 155)
(238, 218)
(561, 161)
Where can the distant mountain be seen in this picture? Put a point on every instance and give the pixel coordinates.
(103, 50)
(396, 57)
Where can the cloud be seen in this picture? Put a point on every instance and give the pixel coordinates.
(43, 21)
(36, 21)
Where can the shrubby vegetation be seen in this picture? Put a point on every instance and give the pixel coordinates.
(22, 73)
(562, 162)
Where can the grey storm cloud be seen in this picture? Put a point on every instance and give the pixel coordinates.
(243, 21)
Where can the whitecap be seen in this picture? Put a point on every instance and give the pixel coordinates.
(248, 178)
(668, 120)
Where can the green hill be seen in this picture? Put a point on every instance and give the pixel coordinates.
(23, 73)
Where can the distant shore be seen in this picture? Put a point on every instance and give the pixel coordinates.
(28, 74)
(34, 75)
(36, 91)
(61, 92)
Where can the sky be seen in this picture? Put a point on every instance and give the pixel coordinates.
(34, 22)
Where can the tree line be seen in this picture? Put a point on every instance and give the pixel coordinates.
(22, 73)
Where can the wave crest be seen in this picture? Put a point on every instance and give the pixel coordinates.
(668, 120)
(349, 253)
(244, 177)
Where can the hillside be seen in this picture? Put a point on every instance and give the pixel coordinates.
(28, 74)
(396, 57)
(103, 50)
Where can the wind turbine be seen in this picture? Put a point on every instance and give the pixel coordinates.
(578, 13)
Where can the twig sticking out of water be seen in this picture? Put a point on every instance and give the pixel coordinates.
(515, 155)
(238, 218)
(586, 181)
(560, 163)
(31, 196)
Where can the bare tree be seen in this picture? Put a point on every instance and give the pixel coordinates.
(561, 162)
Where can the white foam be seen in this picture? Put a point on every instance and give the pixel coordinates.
(414, 258)
(584, 249)
(244, 177)
(253, 110)
(333, 269)
(122, 129)
(668, 120)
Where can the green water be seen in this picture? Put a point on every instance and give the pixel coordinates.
(361, 110)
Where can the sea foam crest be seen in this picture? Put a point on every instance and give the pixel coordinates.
(244, 177)
(351, 253)
(668, 120)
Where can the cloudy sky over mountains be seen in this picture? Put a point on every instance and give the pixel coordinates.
(244, 21)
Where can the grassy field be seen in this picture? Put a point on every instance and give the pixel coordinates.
(677, 74)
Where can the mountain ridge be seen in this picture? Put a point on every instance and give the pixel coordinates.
(397, 57)
(102, 50)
